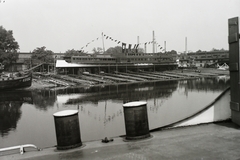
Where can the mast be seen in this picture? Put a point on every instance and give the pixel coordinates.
(185, 44)
(165, 46)
(145, 47)
(138, 41)
(153, 43)
(103, 43)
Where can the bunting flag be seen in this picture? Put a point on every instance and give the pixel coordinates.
(124, 48)
(134, 47)
(89, 43)
(137, 46)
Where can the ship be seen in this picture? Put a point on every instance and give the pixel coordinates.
(132, 61)
(16, 80)
(128, 58)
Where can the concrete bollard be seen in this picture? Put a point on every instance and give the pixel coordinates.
(67, 129)
(136, 120)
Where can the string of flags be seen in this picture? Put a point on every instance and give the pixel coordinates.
(135, 46)
(82, 48)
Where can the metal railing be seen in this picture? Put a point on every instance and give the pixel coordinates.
(20, 147)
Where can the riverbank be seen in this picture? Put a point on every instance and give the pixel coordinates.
(89, 80)
(40, 84)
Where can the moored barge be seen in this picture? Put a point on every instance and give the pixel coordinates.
(15, 80)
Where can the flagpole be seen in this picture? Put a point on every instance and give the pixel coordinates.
(153, 43)
(138, 41)
(103, 43)
(165, 46)
(185, 44)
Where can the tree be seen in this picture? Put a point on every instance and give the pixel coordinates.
(140, 50)
(214, 49)
(8, 48)
(73, 52)
(97, 50)
(222, 49)
(172, 52)
(114, 50)
(41, 55)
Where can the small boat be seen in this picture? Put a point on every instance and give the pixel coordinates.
(15, 80)
(223, 67)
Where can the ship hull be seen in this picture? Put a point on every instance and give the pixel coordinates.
(16, 82)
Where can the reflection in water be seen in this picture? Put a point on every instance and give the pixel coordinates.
(43, 99)
(123, 93)
(126, 92)
(10, 109)
(105, 117)
(10, 113)
(100, 108)
(205, 84)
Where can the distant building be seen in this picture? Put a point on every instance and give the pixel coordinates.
(24, 60)
(204, 59)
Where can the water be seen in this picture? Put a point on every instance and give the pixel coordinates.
(27, 116)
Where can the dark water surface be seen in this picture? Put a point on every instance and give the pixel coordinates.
(27, 116)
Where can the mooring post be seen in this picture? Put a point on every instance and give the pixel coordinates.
(67, 129)
(234, 68)
(136, 120)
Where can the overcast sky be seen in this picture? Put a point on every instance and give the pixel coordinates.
(60, 25)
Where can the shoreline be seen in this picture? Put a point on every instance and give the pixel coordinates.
(43, 83)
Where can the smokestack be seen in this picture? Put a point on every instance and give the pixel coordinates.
(145, 47)
(153, 43)
(185, 44)
(165, 46)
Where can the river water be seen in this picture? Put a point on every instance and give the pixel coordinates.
(26, 117)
